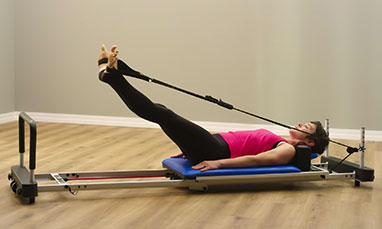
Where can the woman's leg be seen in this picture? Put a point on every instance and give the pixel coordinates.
(194, 141)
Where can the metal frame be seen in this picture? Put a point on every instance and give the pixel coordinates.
(25, 182)
(318, 172)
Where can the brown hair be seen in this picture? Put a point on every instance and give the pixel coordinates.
(320, 138)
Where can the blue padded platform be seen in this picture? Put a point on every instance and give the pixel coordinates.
(183, 167)
(313, 155)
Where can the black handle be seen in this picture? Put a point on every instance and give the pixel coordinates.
(24, 117)
(218, 102)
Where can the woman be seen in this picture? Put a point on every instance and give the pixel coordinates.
(204, 150)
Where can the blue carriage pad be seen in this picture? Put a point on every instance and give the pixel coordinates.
(182, 166)
(313, 155)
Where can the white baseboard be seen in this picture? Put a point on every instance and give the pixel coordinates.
(8, 117)
(346, 134)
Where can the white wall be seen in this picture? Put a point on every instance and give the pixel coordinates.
(291, 60)
(7, 60)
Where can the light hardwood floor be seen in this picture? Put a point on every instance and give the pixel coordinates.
(69, 147)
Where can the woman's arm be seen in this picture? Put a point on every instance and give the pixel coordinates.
(280, 155)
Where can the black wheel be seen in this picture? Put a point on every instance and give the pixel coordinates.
(357, 183)
(13, 186)
(9, 176)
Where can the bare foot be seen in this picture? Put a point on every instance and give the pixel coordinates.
(113, 57)
(104, 54)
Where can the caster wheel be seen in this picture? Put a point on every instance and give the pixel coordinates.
(13, 186)
(9, 176)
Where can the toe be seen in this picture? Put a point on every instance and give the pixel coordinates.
(103, 53)
(113, 48)
(103, 48)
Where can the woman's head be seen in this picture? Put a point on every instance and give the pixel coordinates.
(317, 140)
(320, 138)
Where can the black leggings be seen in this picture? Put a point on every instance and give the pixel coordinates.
(196, 143)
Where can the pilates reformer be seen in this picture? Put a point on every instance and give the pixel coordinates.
(177, 171)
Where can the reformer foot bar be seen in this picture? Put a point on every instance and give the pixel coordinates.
(177, 171)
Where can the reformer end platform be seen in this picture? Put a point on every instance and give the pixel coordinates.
(21, 184)
(363, 174)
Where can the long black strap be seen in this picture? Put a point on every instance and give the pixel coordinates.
(126, 70)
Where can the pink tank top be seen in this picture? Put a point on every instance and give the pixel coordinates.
(251, 142)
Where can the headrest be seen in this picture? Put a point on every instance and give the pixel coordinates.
(302, 157)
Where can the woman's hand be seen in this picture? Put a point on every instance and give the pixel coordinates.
(207, 165)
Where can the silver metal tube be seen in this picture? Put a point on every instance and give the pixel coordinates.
(327, 131)
(21, 159)
(362, 150)
(32, 178)
(114, 185)
(151, 172)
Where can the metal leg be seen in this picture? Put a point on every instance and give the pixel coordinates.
(362, 149)
(327, 131)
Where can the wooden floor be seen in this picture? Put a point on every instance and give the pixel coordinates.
(69, 147)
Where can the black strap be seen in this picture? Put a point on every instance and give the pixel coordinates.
(102, 61)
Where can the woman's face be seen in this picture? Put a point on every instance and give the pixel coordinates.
(307, 127)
